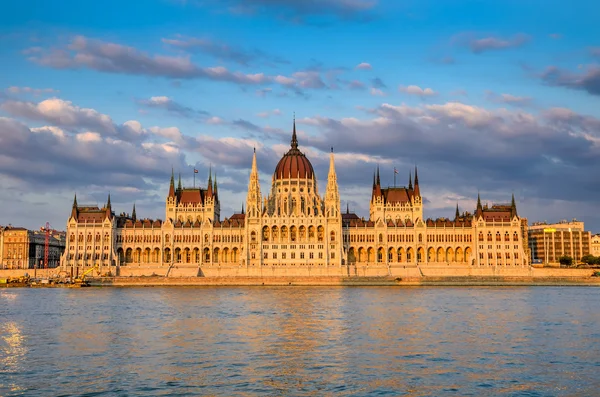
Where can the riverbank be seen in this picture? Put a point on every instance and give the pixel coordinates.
(140, 276)
(158, 281)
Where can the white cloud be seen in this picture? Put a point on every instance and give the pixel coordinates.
(172, 133)
(61, 113)
(88, 137)
(508, 99)
(364, 66)
(159, 99)
(274, 112)
(417, 91)
(215, 120)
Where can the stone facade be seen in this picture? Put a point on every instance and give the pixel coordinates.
(1, 247)
(25, 249)
(595, 245)
(549, 242)
(295, 230)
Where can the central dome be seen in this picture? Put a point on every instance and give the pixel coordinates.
(294, 164)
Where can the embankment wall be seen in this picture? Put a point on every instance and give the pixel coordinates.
(421, 275)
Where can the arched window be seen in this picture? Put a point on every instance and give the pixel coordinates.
(293, 233)
(480, 236)
(332, 235)
(380, 238)
(253, 237)
(420, 238)
(320, 231)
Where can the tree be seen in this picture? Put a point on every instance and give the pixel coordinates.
(588, 259)
(565, 261)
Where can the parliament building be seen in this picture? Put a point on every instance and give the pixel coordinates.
(294, 230)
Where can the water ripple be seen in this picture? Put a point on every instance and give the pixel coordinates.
(299, 342)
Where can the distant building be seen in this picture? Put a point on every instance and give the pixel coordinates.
(525, 236)
(548, 242)
(1, 246)
(25, 249)
(595, 245)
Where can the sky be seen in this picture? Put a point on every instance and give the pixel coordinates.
(485, 97)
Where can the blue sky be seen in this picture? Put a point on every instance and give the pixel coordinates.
(485, 96)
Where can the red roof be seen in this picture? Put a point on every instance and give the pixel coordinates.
(396, 195)
(191, 196)
(90, 214)
(497, 213)
(294, 163)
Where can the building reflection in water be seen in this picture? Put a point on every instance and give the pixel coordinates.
(299, 341)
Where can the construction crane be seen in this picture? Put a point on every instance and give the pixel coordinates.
(48, 231)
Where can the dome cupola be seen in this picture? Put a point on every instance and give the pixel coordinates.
(294, 164)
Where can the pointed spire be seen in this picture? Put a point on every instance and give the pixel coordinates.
(332, 165)
(172, 184)
(74, 210)
(253, 197)
(347, 208)
(417, 190)
(513, 206)
(416, 177)
(294, 137)
(457, 215)
(410, 186)
(242, 208)
(179, 183)
(133, 214)
(209, 188)
(479, 209)
(377, 185)
(215, 186)
(254, 166)
(108, 207)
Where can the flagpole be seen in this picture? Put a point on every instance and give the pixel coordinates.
(394, 176)
(194, 178)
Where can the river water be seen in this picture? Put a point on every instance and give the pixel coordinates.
(300, 341)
